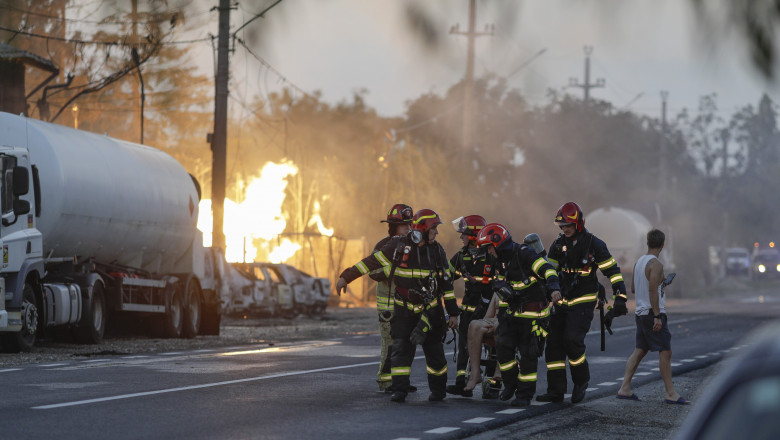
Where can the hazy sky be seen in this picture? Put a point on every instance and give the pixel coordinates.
(639, 46)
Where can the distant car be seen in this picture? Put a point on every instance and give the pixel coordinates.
(737, 262)
(743, 401)
(283, 289)
(766, 264)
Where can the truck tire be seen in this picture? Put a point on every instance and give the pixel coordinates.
(93, 325)
(24, 339)
(209, 325)
(193, 311)
(172, 322)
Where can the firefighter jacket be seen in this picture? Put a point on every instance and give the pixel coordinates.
(476, 273)
(419, 271)
(532, 279)
(384, 300)
(577, 262)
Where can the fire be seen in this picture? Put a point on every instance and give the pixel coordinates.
(252, 226)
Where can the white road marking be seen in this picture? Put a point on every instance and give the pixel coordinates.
(687, 360)
(205, 385)
(620, 378)
(676, 364)
(94, 361)
(9, 369)
(604, 384)
(479, 420)
(442, 430)
(538, 403)
(510, 411)
(591, 389)
(701, 357)
(655, 369)
(171, 353)
(135, 357)
(50, 365)
(642, 373)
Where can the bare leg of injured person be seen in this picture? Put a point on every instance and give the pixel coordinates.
(478, 329)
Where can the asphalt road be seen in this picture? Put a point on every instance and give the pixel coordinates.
(322, 389)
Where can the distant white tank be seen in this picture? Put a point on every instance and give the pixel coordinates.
(623, 230)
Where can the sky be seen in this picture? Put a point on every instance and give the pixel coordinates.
(639, 48)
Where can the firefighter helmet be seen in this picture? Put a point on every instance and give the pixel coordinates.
(424, 220)
(399, 214)
(570, 214)
(493, 233)
(469, 225)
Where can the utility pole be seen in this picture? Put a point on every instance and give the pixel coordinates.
(468, 89)
(219, 138)
(587, 85)
(662, 149)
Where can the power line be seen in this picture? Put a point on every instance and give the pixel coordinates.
(99, 43)
(271, 68)
(256, 16)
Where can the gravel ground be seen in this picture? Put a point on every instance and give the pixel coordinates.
(333, 323)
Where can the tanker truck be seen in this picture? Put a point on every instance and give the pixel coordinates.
(94, 228)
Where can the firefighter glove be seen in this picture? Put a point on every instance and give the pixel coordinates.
(619, 308)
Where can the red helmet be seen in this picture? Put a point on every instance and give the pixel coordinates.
(469, 225)
(493, 233)
(399, 213)
(424, 220)
(570, 213)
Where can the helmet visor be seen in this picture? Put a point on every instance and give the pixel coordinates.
(457, 224)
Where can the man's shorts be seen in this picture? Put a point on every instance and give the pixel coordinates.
(647, 339)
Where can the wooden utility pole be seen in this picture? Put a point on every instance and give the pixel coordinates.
(587, 85)
(219, 138)
(468, 86)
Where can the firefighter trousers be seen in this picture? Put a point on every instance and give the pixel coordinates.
(383, 376)
(404, 322)
(568, 327)
(515, 335)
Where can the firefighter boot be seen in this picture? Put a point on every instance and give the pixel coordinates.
(436, 396)
(398, 396)
(549, 397)
(458, 390)
(508, 391)
(519, 401)
(578, 392)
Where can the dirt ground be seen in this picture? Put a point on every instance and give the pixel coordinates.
(335, 322)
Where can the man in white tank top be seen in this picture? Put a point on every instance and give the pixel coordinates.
(652, 331)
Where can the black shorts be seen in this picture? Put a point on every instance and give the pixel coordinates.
(647, 339)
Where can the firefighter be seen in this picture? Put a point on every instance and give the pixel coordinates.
(526, 283)
(417, 266)
(476, 274)
(398, 220)
(576, 254)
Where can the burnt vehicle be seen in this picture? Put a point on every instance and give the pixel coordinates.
(276, 290)
(743, 401)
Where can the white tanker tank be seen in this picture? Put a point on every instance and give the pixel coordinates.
(92, 224)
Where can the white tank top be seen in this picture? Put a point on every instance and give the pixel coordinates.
(642, 288)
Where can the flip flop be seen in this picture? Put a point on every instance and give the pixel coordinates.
(680, 401)
(631, 397)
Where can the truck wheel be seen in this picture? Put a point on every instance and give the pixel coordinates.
(192, 315)
(24, 339)
(93, 325)
(211, 320)
(173, 320)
